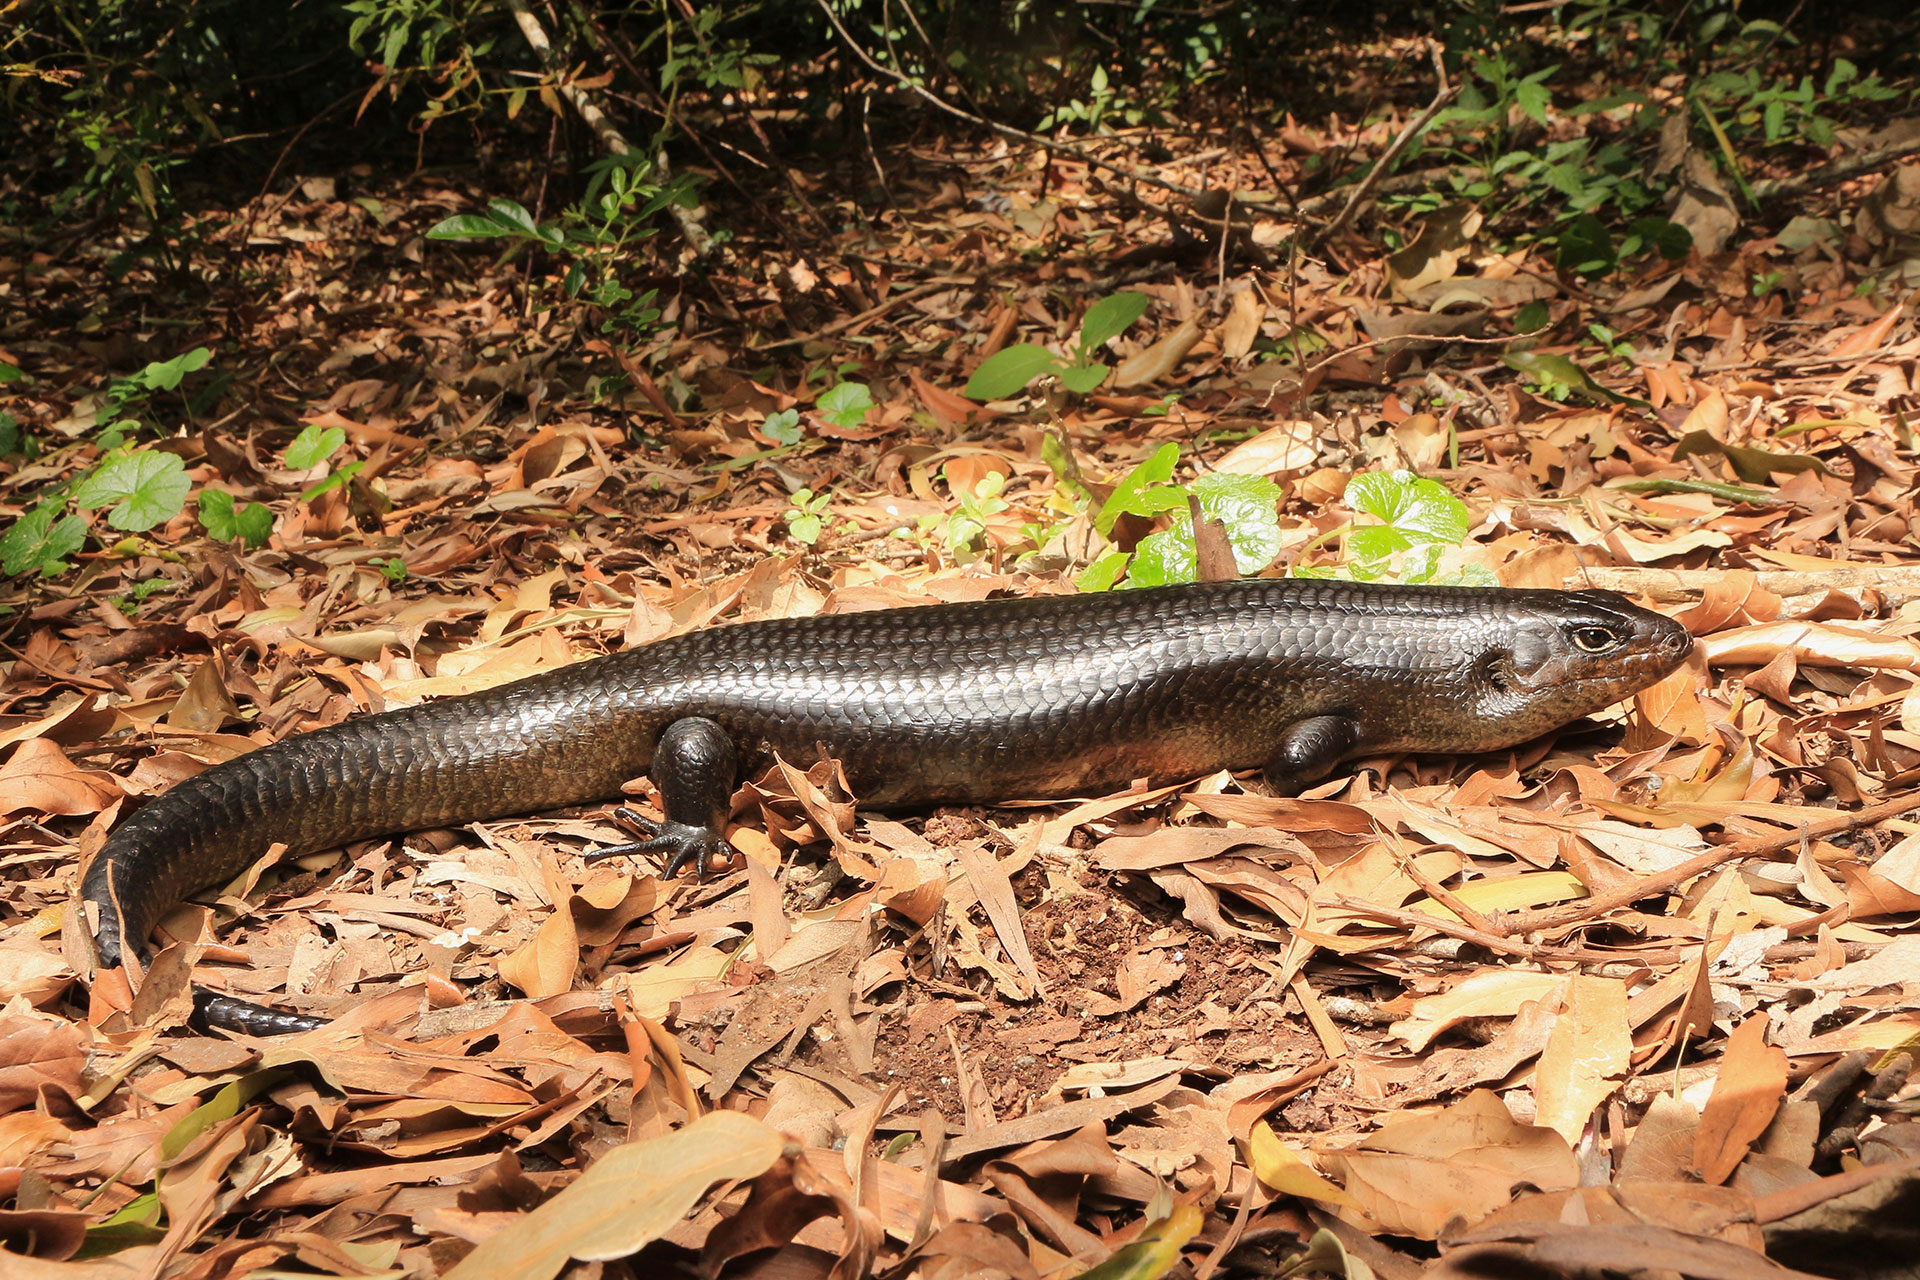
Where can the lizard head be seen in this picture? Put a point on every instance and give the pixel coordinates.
(1566, 654)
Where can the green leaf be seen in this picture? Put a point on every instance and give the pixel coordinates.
(1135, 494)
(224, 1105)
(166, 375)
(1370, 542)
(1534, 99)
(1108, 319)
(334, 481)
(1558, 377)
(1672, 240)
(10, 373)
(1103, 572)
(1165, 558)
(143, 489)
(467, 226)
(224, 523)
(9, 434)
(1586, 247)
(803, 519)
(845, 405)
(1532, 317)
(1083, 379)
(41, 541)
(502, 218)
(1249, 507)
(1246, 505)
(1752, 464)
(313, 446)
(782, 427)
(1007, 371)
(514, 216)
(1416, 510)
(137, 1223)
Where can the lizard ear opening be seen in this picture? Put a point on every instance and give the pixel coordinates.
(1494, 670)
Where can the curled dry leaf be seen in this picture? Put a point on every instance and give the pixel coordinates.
(627, 1198)
(1157, 362)
(1814, 644)
(39, 776)
(1421, 1172)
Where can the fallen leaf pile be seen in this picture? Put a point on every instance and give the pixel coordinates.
(1634, 998)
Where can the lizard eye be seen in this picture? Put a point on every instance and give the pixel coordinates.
(1595, 639)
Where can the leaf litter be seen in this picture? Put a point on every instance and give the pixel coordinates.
(1630, 999)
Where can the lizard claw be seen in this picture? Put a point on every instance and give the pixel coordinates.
(682, 843)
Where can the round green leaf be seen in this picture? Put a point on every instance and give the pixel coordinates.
(845, 405)
(142, 489)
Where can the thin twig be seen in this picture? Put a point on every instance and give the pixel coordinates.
(612, 141)
(1084, 156)
(1413, 130)
(1673, 877)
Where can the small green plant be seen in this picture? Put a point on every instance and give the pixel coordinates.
(1746, 104)
(845, 404)
(782, 427)
(224, 520)
(139, 489)
(1007, 371)
(965, 528)
(1102, 101)
(593, 236)
(1532, 317)
(804, 517)
(1585, 246)
(1417, 521)
(137, 594)
(12, 439)
(1247, 505)
(127, 398)
(393, 569)
(1616, 347)
(41, 540)
(312, 447)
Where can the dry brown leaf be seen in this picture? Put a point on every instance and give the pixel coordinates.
(1819, 644)
(628, 1197)
(1490, 993)
(31, 970)
(1746, 1096)
(1662, 1146)
(1870, 337)
(1586, 1057)
(37, 1051)
(1242, 327)
(38, 776)
(1158, 361)
(545, 964)
(1421, 1172)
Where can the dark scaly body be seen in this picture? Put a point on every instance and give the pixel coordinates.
(999, 700)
